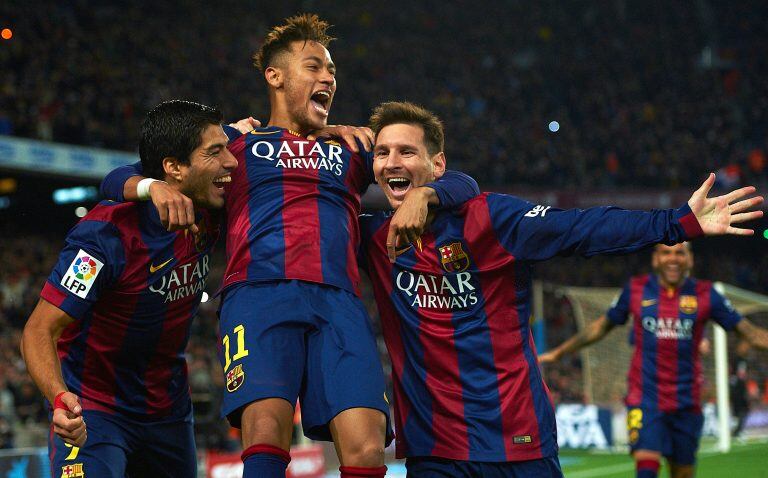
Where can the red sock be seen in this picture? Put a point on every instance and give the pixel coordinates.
(268, 450)
(363, 471)
(647, 469)
(264, 461)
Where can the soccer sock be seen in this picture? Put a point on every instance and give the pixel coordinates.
(647, 469)
(265, 461)
(363, 471)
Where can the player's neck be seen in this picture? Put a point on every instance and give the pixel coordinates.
(668, 285)
(281, 118)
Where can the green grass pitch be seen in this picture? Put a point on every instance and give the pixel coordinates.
(748, 460)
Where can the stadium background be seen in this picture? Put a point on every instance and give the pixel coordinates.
(567, 103)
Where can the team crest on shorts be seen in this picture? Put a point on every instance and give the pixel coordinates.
(688, 304)
(74, 470)
(453, 257)
(235, 378)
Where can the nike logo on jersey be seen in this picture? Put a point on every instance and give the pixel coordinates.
(153, 268)
(407, 247)
(648, 302)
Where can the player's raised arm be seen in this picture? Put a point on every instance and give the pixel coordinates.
(536, 232)
(594, 333)
(38, 347)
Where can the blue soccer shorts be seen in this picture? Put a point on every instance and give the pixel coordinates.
(432, 467)
(675, 435)
(118, 447)
(294, 339)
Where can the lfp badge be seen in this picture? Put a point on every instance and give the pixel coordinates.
(82, 273)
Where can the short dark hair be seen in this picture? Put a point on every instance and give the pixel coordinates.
(173, 129)
(397, 112)
(304, 27)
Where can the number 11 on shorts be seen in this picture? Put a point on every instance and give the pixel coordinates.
(241, 352)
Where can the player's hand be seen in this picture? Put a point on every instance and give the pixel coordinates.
(348, 134)
(549, 357)
(69, 424)
(716, 215)
(246, 125)
(175, 209)
(409, 220)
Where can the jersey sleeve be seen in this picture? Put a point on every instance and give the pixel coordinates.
(535, 232)
(454, 188)
(722, 311)
(113, 184)
(91, 261)
(618, 313)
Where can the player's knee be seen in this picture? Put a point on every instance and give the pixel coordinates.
(266, 429)
(366, 453)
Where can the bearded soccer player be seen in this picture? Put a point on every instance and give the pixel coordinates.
(454, 304)
(292, 324)
(105, 344)
(669, 310)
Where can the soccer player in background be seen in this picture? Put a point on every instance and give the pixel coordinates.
(291, 322)
(455, 303)
(105, 343)
(669, 310)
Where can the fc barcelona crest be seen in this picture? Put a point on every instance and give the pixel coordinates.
(74, 470)
(235, 378)
(688, 304)
(453, 257)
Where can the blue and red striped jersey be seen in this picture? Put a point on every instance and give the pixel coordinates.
(133, 288)
(292, 209)
(293, 204)
(455, 310)
(668, 325)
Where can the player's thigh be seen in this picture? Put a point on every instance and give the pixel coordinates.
(685, 433)
(343, 366)
(165, 450)
(104, 453)
(262, 329)
(646, 432)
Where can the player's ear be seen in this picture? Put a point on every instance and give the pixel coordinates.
(438, 164)
(172, 168)
(274, 77)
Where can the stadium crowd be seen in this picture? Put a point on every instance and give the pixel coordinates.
(639, 91)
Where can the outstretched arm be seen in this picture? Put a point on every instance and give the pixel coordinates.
(38, 348)
(595, 332)
(755, 335)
